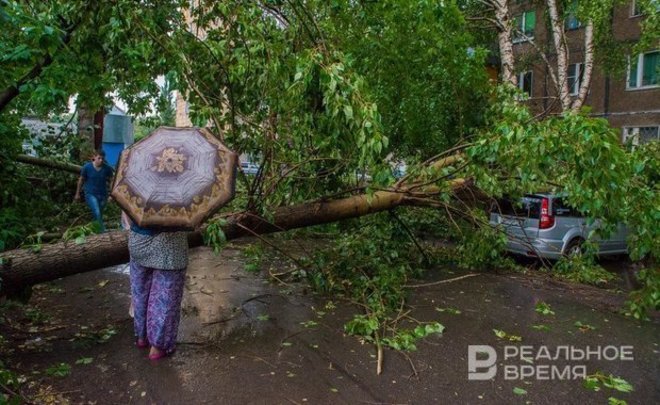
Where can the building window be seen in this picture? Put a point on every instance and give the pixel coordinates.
(641, 135)
(525, 82)
(524, 26)
(636, 8)
(575, 78)
(643, 70)
(571, 22)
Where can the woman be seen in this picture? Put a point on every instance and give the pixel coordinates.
(158, 270)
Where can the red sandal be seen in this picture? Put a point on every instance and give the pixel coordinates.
(161, 354)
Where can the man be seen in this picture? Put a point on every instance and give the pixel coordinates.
(94, 177)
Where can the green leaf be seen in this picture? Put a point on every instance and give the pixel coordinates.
(85, 360)
(519, 391)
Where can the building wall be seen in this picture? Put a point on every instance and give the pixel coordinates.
(608, 96)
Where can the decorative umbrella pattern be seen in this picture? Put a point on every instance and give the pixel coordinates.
(175, 177)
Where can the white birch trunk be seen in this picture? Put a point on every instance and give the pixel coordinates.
(505, 41)
(588, 66)
(556, 25)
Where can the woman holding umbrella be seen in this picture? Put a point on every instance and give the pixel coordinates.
(166, 183)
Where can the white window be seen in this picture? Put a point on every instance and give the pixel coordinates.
(641, 135)
(643, 70)
(524, 25)
(575, 78)
(636, 7)
(525, 82)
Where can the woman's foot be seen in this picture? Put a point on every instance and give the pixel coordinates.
(141, 343)
(157, 354)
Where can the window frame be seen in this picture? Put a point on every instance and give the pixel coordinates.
(639, 73)
(632, 132)
(634, 9)
(578, 78)
(521, 76)
(523, 19)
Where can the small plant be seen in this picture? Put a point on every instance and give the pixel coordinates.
(36, 316)
(214, 235)
(542, 327)
(544, 309)
(449, 310)
(503, 335)
(79, 233)
(84, 360)
(254, 255)
(646, 298)
(59, 370)
(33, 242)
(583, 269)
(594, 382)
(405, 339)
(584, 327)
(12, 381)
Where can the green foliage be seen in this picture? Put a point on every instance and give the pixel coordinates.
(647, 298)
(416, 74)
(36, 316)
(404, 339)
(84, 360)
(518, 155)
(214, 236)
(79, 234)
(594, 382)
(59, 370)
(503, 335)
(583, 269)
(481, 249)
(369, 264)
(584, 327)
(543, 308)
(13, 381)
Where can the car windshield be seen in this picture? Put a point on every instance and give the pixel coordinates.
(529, 206)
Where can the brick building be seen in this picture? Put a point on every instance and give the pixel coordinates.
(629, 101)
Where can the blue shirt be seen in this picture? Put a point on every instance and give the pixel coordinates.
(96, 180)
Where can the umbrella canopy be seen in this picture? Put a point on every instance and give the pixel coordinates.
(175, 177)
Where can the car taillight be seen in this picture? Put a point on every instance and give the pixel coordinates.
(547, 220)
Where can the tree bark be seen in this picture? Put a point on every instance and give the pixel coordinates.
(24, 267)
(31, 160)
(588, 66)
(559, 41)
(505, 41)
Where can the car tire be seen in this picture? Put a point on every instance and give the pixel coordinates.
(574, 248)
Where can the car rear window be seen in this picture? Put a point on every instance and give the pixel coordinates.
(528, 207)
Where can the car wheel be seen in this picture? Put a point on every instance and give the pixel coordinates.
(574, 248)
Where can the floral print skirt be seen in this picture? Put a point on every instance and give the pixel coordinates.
(156, 296)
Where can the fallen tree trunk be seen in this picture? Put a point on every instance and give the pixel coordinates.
(31, 160)
(24, 267)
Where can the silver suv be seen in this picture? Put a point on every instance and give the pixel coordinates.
(542, 225)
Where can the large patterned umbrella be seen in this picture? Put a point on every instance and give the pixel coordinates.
(175, 177)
